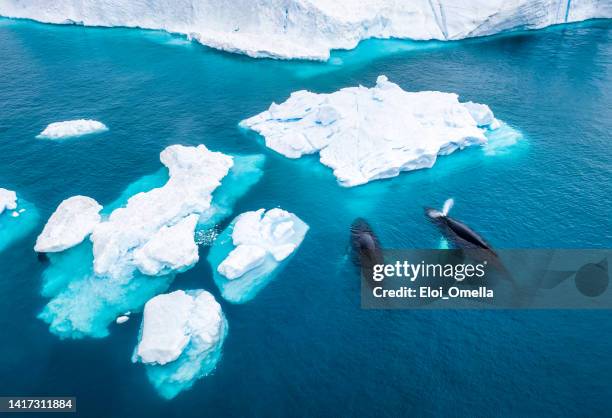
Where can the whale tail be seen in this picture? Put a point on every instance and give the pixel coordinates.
(448, 205)
(434, 213)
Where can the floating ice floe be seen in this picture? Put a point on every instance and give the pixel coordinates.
(181, 338)
(8, 200)
(72, 128)
(136, 236)
(122, 319)
(72, 222)
(251, 251)
(171, 248)
(366, 134)
(309, 29)
(18, 218)
(144, 238)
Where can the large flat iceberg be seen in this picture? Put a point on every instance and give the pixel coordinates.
(72, 222)
(181, 338)
(72, 128)
(251, 251)
(311, 28)
(144, 238)
(366, 134)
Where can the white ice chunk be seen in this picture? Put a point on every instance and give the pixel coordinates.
(257, 234)
(165, 328)
(8, 200)
(137, 235)
(72, 128)
(252, 250)
(242, 259)
(365, 134)
(172, 248)
(122, 319)
(73, 220)
(180, 339)
(309, 29)
(481, 113)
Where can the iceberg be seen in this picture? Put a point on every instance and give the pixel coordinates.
(18, 218)
(8, 200)
(180, 341)
(172, 248)
(153, 222)
(72, 128)
(72, 222)
(251, 251)
(365, 134)
(310, 29)
(138, 229)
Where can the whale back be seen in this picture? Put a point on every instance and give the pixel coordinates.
(465, 233)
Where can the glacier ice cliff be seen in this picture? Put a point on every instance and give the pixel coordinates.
(72, 222)
(311, 28)
(18, 218)
(366, 134)
(251, 251)
(181, 338)
(72, 128)
(144, 238)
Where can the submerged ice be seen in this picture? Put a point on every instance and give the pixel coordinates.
(250, 252)
(309, 29)
(18, 218)
(181, 338)
(143, 240)
(366, 134)
(72, 128)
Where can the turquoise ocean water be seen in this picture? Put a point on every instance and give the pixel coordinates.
(303, 346)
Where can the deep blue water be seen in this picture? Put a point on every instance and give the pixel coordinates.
(303, 346)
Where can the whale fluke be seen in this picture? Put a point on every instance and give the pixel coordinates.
(434, 213)
(448, 205)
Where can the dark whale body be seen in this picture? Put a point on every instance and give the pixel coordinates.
(457, 232)
(365, 247)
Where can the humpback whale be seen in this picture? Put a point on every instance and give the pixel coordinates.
(366, 251)
(455, 231)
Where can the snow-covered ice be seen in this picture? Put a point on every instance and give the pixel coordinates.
(311, 28)
(181, 337)
(122, 319)
(8, 200)
(72, 222)
(250, 251)
(366, 134)
(172, 248)
(163, 208)
(72, 128)
(137, 235)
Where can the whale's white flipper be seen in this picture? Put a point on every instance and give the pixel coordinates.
(448, 205)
